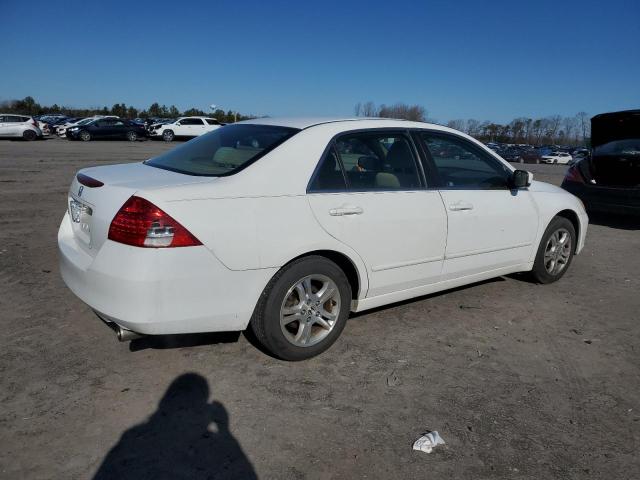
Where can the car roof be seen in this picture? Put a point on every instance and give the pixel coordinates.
(363, 122)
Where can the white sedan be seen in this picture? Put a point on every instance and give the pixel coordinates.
(286, 226)
(184, 127)
(561, 158)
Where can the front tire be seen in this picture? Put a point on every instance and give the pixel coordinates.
(85, 136)
(555, 252)
(168, 136)
(303, 309)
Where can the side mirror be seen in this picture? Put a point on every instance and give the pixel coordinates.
(521, 179)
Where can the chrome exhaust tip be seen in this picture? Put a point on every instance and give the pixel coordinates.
(125, 335)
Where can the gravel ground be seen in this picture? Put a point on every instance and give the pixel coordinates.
(521, 380)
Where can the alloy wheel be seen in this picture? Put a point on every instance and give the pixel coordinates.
(310, 310)
(557, 251)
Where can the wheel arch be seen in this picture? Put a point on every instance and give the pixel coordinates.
(346, 265)
(572, 216)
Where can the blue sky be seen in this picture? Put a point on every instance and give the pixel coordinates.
(489, 60)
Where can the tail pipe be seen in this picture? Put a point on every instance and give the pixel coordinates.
(125, 335)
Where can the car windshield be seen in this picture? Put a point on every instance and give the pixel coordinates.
(223, 151)
(630, 146)
(85, 121)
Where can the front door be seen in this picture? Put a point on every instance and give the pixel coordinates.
(490, 225)
(368, 192)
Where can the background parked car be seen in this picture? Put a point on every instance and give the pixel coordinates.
(107, 128)
(562, 158)
(520, 155)
(19, 126)
(609, 180)
(184, 127)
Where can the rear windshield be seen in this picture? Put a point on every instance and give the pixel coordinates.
(223, 151)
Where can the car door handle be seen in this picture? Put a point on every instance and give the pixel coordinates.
(346, 210)
(458, 206)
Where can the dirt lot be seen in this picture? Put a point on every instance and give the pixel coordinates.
(521, 380)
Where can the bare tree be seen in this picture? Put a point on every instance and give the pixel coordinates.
(473, 127)
(552, 124)
(456, 124)
(369, 109)
(401, 110)
(585, 126)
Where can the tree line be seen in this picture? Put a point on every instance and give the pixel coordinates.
(555, 129)
(28, 106)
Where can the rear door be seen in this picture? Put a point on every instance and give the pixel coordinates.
(369, 193)
(490, 226)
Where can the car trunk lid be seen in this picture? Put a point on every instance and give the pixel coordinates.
(615, 142)
(92, 206)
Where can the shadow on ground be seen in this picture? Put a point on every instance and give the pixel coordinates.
(177, 440)
(162, 342)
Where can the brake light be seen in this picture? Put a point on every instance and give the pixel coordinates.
(574, 175)
(141, 224)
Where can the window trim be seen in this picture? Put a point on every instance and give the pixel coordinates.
(390, 130)
(439, 184)
(292, 131)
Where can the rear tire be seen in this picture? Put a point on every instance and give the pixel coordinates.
(290, 321)
(555, 252)
(168, 136)
(29, 135)
(85, 136)
(132, 136)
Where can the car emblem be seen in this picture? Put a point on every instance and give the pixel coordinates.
(80, 190)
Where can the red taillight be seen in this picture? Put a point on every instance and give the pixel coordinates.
(87, 181)
(574, 175)
(140, 223)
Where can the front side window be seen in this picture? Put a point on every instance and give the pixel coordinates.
(378, 161)
(462, 165)
(223, 151)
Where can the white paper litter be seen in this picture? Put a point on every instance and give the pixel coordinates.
(426, 442)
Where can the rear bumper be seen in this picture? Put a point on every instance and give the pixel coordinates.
(624, 201)
(160, 291)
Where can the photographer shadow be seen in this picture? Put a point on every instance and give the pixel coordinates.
(176, 442)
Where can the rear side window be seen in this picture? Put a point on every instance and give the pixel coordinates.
(329, 176)
(223, 151)
(211, 121)
(378, 161)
